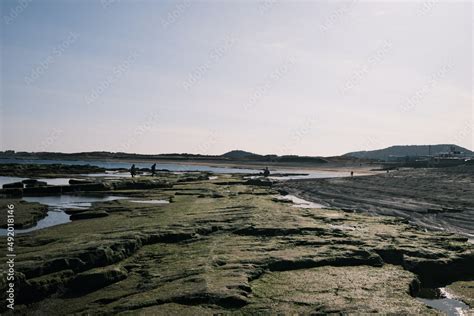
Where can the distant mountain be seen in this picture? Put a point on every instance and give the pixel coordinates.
(231, 156)
(407, 150)
(240, 154)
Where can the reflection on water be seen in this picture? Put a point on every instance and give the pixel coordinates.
(126, 165)
(310, 175)
(111, 174)
(6, 180)
(70, 201)
(53, 218)
(54, 181)
(57, 206)
(151, 201)
(447, 304)
(297, 202)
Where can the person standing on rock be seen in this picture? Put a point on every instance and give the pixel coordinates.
(153, 169)
(266, 172)
(133, 170)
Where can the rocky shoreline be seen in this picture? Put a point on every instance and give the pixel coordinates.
(436, 198)
(27, 215)
(46, 170)
(227, 245)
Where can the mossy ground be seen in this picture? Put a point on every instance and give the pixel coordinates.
(26, 213)
(464, 290)
(222, 246)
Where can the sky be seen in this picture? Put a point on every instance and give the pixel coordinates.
(270, 77)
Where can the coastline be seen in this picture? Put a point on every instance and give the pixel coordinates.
(189, 243)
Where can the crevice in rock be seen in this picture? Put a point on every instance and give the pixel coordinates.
(356, 259)
(277, 231)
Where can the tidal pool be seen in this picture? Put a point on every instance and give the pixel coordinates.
(446, 303)
(51, 181)
(309, 174)
(150, 201)
(57, 205)
(298, 202)
(7, 180)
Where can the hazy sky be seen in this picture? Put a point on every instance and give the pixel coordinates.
(312, 78)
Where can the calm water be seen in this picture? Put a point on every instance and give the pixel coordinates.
(297, 202)
(57, 206)
(54, 181)
(53, 218)
(5, 180)
(115, 165)
(151, 201)
(309, 174)
(448, 304)
(70, 201)
(176, 168)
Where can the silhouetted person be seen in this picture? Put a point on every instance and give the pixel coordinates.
(352, 173)
(153, 169)
(133, 171)
(266, 172)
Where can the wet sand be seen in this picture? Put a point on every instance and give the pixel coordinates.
(434, 198)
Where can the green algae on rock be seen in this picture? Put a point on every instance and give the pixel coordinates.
(27, 214)
(328, 289)
(230, 247)
(463, 290)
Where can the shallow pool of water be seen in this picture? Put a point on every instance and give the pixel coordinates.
(71, 201)
(127, 165)
(56, 181)
(53, 218)
(6, 180)
(150, 201)
(110, 174)
(447, 304)
(52, 181)
(298, 202)
(310, 175)
(57, 205)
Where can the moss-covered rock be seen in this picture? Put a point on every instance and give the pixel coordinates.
(347, 290)
(26, 213)
(464, 290)
(226, 246)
